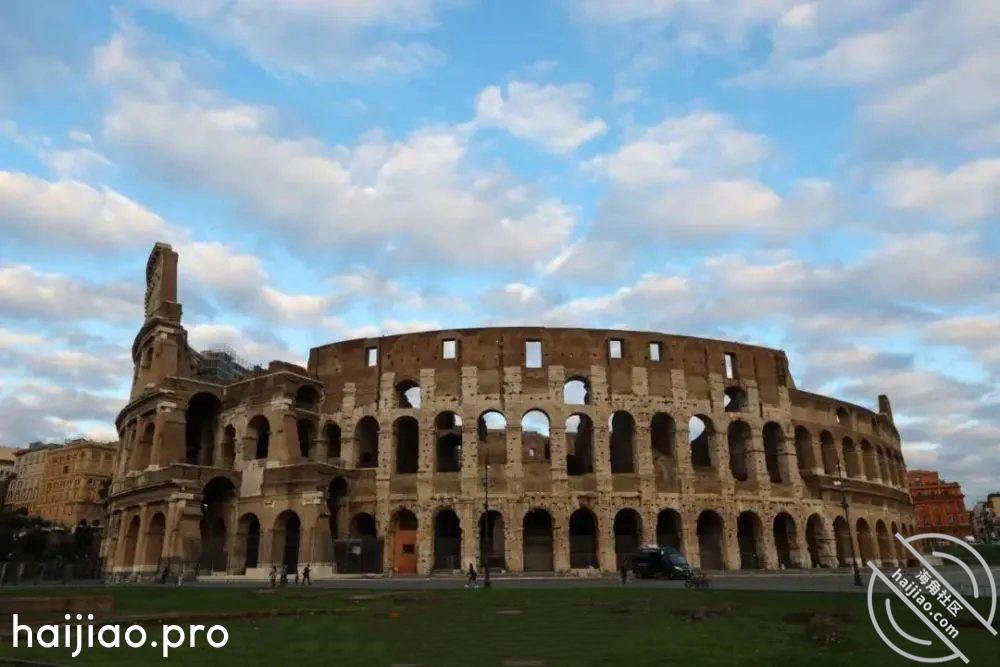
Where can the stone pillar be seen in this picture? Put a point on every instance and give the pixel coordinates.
(514, 470)
(514, 536)
(605, 538)
(766, 547)
(560, 541)
(286, 438)
(817, 455)
(756, 461)
(685, 470)
(642, 448)
(731, 542)
(719, 454)
(471, 477)
(602, 454)
(468, 514)
(557, 450)
(689, 538)
(168, 440)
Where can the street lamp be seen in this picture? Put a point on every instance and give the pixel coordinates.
(839, 483)
(486, 517)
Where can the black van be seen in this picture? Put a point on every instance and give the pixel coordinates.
(654, 561)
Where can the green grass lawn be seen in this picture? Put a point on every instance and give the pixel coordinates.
(562, 626)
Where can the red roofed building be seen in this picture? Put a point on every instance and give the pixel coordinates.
(939, 506)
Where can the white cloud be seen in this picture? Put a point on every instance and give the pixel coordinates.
(256, 348)
(969, 193)
(980, 334)
(550, 115)
(28, 293)
(70, 162)
(70, 212)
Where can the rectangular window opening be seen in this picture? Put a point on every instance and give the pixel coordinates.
(654, 351)
(449, 349)
(615, 348)
(730, 361)
(371, 357)
(533, 353)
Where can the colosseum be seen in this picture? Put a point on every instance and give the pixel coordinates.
(535, 449)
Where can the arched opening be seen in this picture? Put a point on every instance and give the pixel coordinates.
(404, 542)
(287, 534)
(897, 545)
(143, 448)
(579, 445)
(535, 436)
(803, 449)
(883, 469)
(131, 540)
(710, 536)
(216, 506)
(406, 432)
(366, 437)
(700, 435)
(248, 535)
(305, 430)
(448, 448)
(228, 453)
(866, 542)
(447, 541)
(628, 534)
(307, 398)
(201, 422)
(738, 437)
(734, 400)
(843, 418)
(842, 538)
(407, 394)
(868, 460)
(154, 539)
(491, 539)
(815, 537)
(662, 437)
(331, 432)
(774, 444)
(622, 427)
(668, 529)
(259, 431)
(885, 552)
(748, 529)
(362, 525)
(576, 391)
(582, 539)
(537, 541)
(785, 540)
(829, 451)
(851, 458)
(491, 431)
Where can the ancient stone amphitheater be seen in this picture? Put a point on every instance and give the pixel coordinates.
(538, 449)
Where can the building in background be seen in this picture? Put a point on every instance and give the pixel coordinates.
(939, 506)
(985, 517)
(65, 483)
(6, 462)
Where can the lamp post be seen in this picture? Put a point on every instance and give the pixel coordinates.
(487, 533)
(839, 483)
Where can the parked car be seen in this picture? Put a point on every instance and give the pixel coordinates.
(655, 561)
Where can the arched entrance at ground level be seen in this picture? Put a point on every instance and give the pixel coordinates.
(668, 529)
(583, 538)
(815, 538)
(786, 540)
(884, 544)
(131, 540)
(287, 534)
(748, 530)
(404, 542)
(866, 542)
(537, 540)
(628, 534)
(842, 536)
(248, 540)
(217, 505)
(154, 539)
(447, 541)
(710, 547)
(491, 539)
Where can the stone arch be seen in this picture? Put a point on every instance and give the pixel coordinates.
(143, 448)
(866, 541)
(407, 394)
(576, 391)
(131, 541)
(662, 437)
(669, 529)
(286, 540)
(583, 539)
(829, 451)
(711, 541)
(869, 463)
(885, 552)
(748, 534)
(447, 540)
(259, 430)
(492, 539)
(336, 502)
(898, 547)
(842, 416)
(491, 431)
(305, 430)
(786, 540)
(734, 399)
(248, 541)
(803, 449)
(815, 540)
(227, 455)
(366, 437)
(851, 465)
(334, 440)
(155, 534)
(701, 434)
(628, 534)
(738, 438)
(842, 538)
(403, 535)
(307, 398)
(622, 432)
(535, 432)
(406, 437)
(579, 445)
(448, 442)
(201, 419)
(537, 541)
(217, 500)
(774, 445)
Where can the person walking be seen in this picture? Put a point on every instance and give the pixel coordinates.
(283, 581)
(273, 575)
(471, 583)
(623, 569)
(306, 579)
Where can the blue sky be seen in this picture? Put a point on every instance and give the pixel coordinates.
(823, 177)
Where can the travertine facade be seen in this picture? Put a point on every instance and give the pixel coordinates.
(373, 457)
(25, 486)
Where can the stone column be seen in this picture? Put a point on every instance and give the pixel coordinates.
(719, 454)
(685, 470)
(514, 470)
(731, 542)
(471, 476)
(168, 440)
(689, 538)
(817, 455)
(606, 538)
(560, 540)
(602, 454)
(286, 438)
(557, 450)
(756, 461)
(766, 548)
